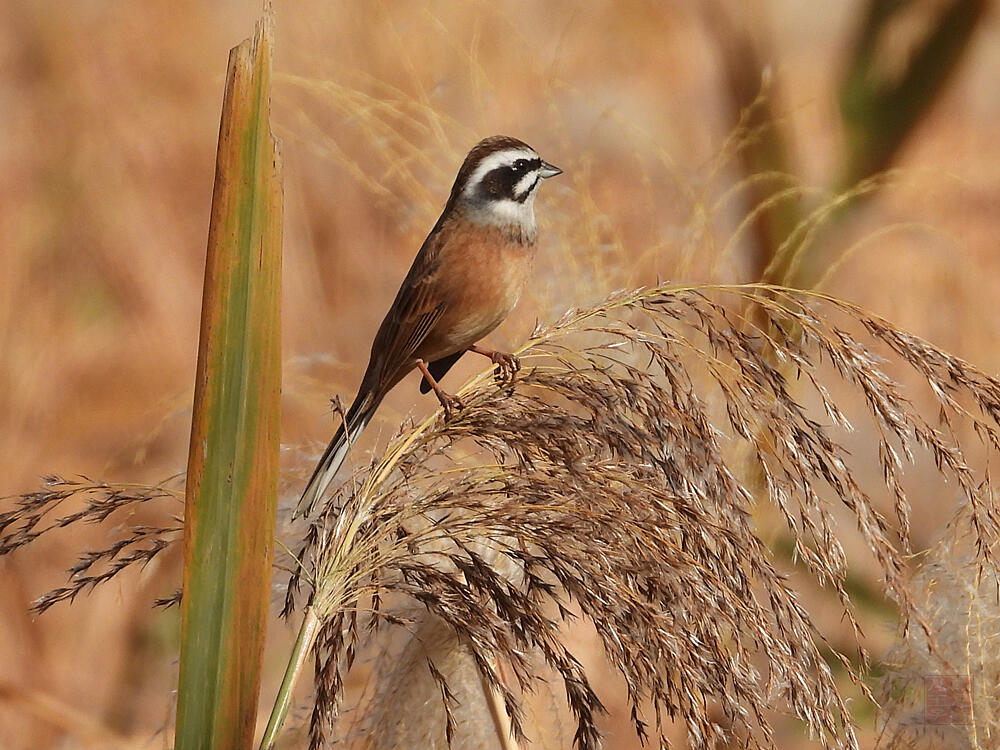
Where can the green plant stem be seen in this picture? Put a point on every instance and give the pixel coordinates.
(296, 661)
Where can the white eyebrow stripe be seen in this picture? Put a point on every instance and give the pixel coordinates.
(498, 159)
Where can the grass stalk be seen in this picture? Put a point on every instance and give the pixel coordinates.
(296, 662)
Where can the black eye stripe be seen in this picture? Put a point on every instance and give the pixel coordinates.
(527, 165)
(501, 182)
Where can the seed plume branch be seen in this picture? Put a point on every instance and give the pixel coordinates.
(134, 546)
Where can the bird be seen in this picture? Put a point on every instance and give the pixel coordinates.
(466, 278)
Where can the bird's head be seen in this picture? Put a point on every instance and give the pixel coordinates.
(498, 182)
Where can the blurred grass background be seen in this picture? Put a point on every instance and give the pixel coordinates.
(107, 148)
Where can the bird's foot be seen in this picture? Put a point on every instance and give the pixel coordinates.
(507, 364)
(449, 403)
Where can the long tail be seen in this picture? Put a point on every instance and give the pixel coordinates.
(358, 417)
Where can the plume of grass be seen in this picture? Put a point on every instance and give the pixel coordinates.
(603, 482)
(959, 597)
(426, 690)
(133, 545)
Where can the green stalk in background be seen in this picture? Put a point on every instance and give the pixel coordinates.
(881, 109)
(887, 90)
(233, 462)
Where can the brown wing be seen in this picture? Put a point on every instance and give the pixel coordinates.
(411, 317)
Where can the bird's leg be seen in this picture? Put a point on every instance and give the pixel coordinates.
(448, 402)
(507, 364)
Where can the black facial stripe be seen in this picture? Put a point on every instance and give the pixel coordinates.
(524, 196)
(500, 182)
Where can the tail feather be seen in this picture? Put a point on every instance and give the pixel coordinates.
(358, 417)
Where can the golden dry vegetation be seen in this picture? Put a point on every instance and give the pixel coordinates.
(111, 116)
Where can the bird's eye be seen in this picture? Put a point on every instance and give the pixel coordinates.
(520, 165)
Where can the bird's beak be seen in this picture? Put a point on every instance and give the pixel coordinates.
(549, 170)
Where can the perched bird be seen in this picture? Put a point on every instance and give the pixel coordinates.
(465, 280)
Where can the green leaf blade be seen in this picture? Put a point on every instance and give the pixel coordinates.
(233, 459)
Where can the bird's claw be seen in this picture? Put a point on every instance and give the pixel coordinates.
(450, 403)
(507, 366)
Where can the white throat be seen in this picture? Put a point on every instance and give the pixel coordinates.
(505, 214)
